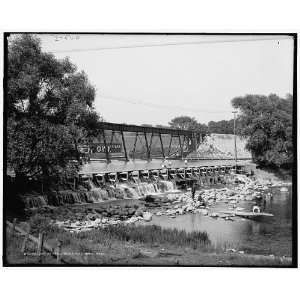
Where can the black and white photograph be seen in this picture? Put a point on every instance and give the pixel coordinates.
(150, 149)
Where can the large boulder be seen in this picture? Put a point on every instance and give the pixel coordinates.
(147, 216)
(150, 198)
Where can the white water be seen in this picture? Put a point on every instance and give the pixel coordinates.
(170, 185)
(129, 191)
(98, 194)
(132, 190)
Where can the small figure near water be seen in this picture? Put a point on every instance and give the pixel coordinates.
(200, 199)
(194, 187)
(269, 196)
(256, 209)
(261, 200)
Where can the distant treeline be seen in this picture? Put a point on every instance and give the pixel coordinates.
(224, 126)
(266, 121)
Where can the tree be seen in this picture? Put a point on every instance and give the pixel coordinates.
(224, 126)
(162, 126)
(49, 109)
(267, 122)
(188, 123)
(146, 125)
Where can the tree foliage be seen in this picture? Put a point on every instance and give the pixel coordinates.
(267, 122)
(49, 109)
(188, 123)
(224, 126)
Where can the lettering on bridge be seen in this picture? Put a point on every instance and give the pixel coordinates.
(100, 148)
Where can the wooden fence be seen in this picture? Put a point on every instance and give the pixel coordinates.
(42, 245)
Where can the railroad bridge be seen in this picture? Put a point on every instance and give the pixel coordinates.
(125, 142)
(121, 151)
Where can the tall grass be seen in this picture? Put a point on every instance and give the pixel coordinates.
(145, 234)
(149, 234)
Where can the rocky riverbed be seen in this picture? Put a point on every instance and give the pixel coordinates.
(171, 205)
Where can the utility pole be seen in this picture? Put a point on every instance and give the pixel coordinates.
(235, 153)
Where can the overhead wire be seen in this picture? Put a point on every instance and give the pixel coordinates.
(159, 106)
(169, 44)
(154, 105)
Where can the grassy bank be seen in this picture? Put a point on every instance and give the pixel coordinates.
(130, 245)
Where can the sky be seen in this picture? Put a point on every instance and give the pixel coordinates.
(150, 79)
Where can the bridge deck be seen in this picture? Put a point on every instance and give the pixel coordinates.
(146, 129)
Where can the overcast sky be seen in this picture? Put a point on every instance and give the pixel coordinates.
(152, 85)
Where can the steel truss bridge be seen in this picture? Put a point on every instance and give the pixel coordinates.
(123, 141)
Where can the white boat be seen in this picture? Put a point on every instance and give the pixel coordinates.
(248, 215)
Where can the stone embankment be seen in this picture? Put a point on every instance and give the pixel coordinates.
(221, 146)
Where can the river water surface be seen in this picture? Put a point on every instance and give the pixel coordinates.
(271, 235)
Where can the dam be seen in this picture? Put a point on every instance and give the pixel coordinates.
(118, 171)
(122, 148)
(130, 162)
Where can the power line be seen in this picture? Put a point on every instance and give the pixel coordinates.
(170, 44)
(159, 106)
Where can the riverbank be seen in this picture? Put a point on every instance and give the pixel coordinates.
(191, 231)
(110, 247)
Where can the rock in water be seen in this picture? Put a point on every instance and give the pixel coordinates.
(147, 216)
(150, 198)
(214, 215)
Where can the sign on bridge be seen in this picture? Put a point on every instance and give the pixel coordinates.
(111, 148)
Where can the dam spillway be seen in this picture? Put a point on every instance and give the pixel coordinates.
(138, 171)
(98, 166)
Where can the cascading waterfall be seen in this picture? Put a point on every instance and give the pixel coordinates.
(129, 191)
(92, 193)
(167, 186)
(150, 188)
(34, 200)
(97, 194)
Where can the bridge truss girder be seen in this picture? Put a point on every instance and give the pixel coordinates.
(187, 141)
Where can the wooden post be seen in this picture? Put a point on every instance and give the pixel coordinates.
(58, 253)
(25, 239)
(40, 245)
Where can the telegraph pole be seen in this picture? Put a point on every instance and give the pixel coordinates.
(234, 129)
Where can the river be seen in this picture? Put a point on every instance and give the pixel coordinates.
(267, 236)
